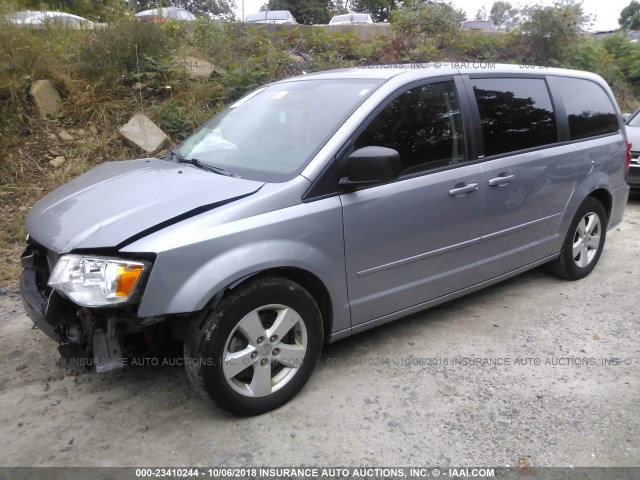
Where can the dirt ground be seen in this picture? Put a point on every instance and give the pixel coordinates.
(533, 371)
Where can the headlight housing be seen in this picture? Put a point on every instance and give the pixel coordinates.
(97, 281)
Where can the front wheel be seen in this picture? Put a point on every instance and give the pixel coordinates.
(257, 349)
(584, 242)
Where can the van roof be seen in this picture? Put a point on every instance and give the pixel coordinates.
(433, 69)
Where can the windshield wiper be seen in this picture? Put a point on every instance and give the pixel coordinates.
(202, 165)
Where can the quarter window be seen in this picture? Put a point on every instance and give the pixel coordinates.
(588, 107)
(423, 124)
(515, 113)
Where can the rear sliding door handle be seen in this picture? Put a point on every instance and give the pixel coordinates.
(462, 189)
(501, 181)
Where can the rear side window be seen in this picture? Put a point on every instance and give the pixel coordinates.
(588, 107)
(515, 113)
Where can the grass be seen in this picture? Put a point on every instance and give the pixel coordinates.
(107, 75)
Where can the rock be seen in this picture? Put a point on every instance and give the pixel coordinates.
(81, 132)
(64, 135)
(197, 67)
(55, 153)
(93, 129)
(45, 97)
(295, 58)
(144, 134)
(57, 162)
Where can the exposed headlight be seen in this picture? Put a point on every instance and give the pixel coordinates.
(96, 281)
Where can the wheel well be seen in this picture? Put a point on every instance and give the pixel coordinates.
(309, 282)
(604, 198)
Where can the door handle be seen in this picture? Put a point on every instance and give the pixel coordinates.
(501, 180)
(464, 188)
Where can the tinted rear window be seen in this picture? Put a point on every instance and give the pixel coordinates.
(515, 113)
(588, 107)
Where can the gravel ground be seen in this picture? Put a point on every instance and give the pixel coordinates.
(534, 371)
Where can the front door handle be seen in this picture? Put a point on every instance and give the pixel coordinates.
(501, 180)
(462, 189)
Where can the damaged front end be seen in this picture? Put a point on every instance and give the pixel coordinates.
(88, 305)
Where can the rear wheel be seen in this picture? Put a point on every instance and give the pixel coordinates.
(584, 242)
(257, 349)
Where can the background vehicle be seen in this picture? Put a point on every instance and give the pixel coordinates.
(633, 133)
(168, 13)
(271, 16)
(485, 25)
(40, 19)
(321, 206)
(350, 18)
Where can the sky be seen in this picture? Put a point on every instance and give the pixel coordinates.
(606, 11)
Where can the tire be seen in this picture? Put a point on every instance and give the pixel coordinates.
(257, 349)
(584, 242)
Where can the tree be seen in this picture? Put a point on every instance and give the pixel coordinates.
(481, 14)
(504, 16)
(378, 9)
(310, 12)
(630, 16)
(434, 20)
(550, 32)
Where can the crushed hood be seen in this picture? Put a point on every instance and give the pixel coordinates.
(117, 201)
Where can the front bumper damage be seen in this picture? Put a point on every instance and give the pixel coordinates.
(87, 338)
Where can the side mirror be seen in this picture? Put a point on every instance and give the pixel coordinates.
(370, 166)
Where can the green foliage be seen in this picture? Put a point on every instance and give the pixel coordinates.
(593, 56)
(123, 51)
(478, 45)
(380, 10)
(417, 21)
(626, 55)
(504, 16)
(176, 117)
(550, 33)
(332, 50)
(630, 16)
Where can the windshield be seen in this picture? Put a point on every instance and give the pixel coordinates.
(635, 120)
(272, 133)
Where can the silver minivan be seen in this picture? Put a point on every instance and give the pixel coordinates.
(321, 206)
